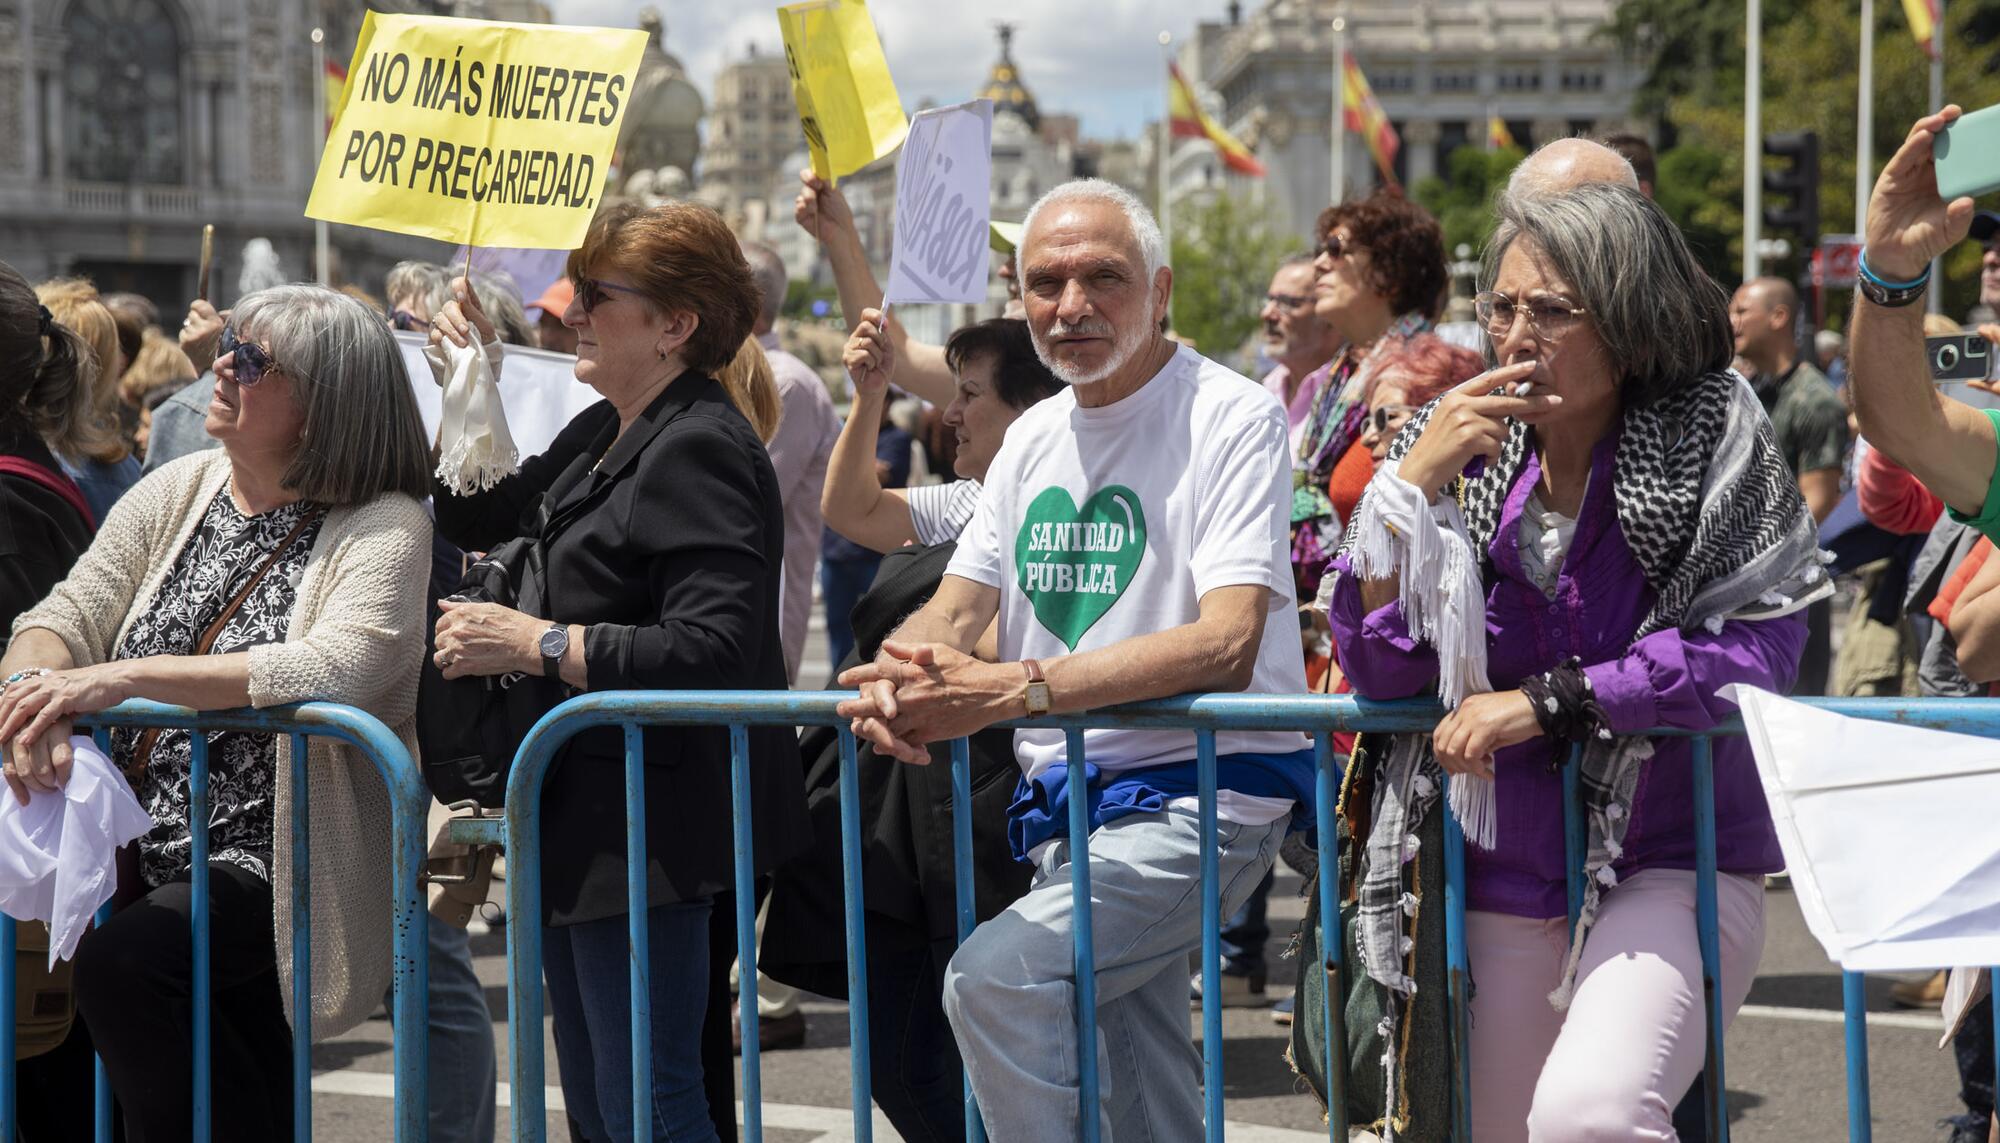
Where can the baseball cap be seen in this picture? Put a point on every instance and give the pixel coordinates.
(1985, 224)
(556, 298)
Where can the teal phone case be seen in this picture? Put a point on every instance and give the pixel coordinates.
(1967, 154)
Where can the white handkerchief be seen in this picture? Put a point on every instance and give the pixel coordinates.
(476, 451)
(58, 853)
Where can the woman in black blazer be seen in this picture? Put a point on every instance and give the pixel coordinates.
(664, 541)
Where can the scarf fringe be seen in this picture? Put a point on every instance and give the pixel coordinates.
(1472, 803)
(477, 448)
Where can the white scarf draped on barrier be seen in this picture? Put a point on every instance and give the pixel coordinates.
(58, 853)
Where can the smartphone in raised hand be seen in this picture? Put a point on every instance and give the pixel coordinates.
(1967, 155)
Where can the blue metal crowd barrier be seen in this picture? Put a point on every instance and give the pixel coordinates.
(1203, 715)
(410, 804)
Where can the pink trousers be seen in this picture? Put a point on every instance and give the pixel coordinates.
(1615, 1064)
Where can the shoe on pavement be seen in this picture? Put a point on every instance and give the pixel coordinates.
(1281, 1012)
(774, 1033)
(1240, 988)
(1925, 993)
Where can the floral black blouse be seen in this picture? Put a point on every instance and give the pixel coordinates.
(225, 550)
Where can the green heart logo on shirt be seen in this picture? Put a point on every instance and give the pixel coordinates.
(1074, 563)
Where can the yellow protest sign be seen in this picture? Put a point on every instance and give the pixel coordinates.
(476, 131)
(847, 99)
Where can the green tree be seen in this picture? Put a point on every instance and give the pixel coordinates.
(1810, 59)
(1463, 200)
(1222, 258)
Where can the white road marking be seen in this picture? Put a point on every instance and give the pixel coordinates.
(1927, 1022)
(833, 1124)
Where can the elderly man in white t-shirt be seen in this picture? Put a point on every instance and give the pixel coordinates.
(1131, 541)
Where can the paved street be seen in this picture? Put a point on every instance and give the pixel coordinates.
(1786, 1069)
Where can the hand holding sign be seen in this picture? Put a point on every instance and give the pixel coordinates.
(943, 190)
(870, 357)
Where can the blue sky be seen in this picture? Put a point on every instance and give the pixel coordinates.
(1110, 76)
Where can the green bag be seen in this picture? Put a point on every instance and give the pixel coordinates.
(1423, 1105)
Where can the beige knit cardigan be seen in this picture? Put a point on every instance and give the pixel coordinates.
(356, 636)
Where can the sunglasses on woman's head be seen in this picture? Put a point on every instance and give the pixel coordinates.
(592, 292)
(251, 360)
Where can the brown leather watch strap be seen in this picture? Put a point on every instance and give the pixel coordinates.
(1034, 671)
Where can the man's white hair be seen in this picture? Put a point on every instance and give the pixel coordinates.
(1145, 230)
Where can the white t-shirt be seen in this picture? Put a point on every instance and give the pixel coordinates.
(1098, 525)
(939, 512)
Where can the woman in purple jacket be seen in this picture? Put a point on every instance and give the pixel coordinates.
(1617, 518)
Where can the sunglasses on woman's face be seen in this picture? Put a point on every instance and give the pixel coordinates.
(405, 320)
(1333, 248)
(251, 360)
(1380, 419)
(593, 292)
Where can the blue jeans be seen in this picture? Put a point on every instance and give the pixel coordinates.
(1010, 990)
(461, 1041)
(589, 976)
(842, 583)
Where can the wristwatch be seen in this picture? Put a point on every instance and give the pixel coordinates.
(554, 644)
(1038, 689)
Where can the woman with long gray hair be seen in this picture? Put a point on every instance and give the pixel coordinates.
(1584, 543)
(282, 567)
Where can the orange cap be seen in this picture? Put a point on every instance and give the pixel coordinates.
(556, 298)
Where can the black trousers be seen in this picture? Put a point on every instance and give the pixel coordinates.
(134, 989)
(918, 1080)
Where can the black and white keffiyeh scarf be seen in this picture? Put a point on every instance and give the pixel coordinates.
(1713, 515)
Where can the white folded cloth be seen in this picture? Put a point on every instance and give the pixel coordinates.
(58, 853)
(476, 450)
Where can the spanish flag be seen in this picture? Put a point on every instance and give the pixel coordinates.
(1497, 135)
(1923, 16)
(335, 80)
(1366, 118)
(1187, 120)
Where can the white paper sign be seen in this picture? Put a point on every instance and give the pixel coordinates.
(538, 388)
(1887, 832)
(944, 188)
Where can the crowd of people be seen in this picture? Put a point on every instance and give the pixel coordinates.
(1574, 517)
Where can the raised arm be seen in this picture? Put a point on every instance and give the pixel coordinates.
(854, 502)
(822, 211)
(1948, 445)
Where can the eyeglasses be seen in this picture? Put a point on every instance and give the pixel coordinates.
(1552, 319)
(1287, 301)
(252, 363)
(404, 319)
(1333, 247)
(592, 292)
(1380, 419)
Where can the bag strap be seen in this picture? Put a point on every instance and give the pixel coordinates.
(142, 755)
(56, 482)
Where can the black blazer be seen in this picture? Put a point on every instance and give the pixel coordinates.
(668, 553)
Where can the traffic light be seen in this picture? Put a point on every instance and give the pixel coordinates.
(1796, 183)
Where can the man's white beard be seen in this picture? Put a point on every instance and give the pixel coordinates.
(1126, 346)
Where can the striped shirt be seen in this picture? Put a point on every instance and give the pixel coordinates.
(939, 512)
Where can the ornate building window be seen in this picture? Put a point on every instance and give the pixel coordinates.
(122, 92)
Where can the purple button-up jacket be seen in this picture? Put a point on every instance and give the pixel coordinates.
(1667, 679)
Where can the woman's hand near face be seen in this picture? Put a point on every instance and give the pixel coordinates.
(869, 356)
(1470, 421)
(461, 317)
(200, 334)
(479, 639)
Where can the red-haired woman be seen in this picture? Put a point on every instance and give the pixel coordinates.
(664, 539)
(1381, 274)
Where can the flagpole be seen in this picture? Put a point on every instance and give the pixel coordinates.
(1753, 139)
(1167, 143)
(1864, 133)
(322, 253)
(1339, 131)
(1935, 295)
